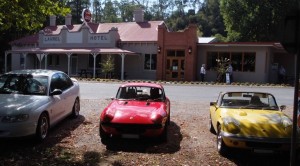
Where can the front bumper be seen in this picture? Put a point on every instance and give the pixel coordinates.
(233, 140)
(146, 130)
(18, 129)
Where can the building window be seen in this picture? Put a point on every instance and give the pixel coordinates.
(91, 61)
(150, 62)
(175, 53)
(53, 60)
(241, 61)
(249, 62)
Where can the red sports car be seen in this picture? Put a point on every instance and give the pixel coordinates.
(139, 110)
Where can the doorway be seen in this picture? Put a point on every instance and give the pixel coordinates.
(175, 65)
(74, 61)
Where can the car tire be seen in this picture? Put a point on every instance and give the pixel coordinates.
(168, 120)
(164, 136)
(103, 135)
(76, 108)
(42, 127)
(211, 127)
(221, 147)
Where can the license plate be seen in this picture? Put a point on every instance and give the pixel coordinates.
(131, 136)
(263, 151)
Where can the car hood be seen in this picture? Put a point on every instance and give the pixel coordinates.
(136, 111)
(15, 103)
(261, 123)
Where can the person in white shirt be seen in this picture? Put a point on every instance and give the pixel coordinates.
(202, 72)
(230, 71)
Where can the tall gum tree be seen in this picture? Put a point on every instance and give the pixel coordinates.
(253, 20)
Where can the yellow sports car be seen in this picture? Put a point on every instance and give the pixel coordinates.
(249, 120)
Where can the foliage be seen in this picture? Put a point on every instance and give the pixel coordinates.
(108, 65)
(222, 65)
(110, 12)
(28, 15)
(248, 20)
(77, 7)
(210, 19)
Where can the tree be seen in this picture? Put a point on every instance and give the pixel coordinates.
(210, 19)
(110, 12)
(126, 10)
(108, 66)
(254, 20)
(77, 7)
(97, 11)
(28, 15)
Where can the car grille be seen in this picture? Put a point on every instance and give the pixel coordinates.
(132, 128)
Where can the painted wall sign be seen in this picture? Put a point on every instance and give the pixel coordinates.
(99, 38)
(52, 39)
(86, 15)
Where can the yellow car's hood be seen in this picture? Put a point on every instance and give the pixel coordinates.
(261, 123)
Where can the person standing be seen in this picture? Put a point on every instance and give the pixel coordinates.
(202, 72)
(230, 71)
(281, 75)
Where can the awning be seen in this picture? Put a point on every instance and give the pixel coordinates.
(93, 51)
(73, 50)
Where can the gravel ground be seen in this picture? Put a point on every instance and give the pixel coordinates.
(77, 142)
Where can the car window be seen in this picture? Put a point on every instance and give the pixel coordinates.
(60, 81)
(2, 80)
(38, 85)
(140, 93)
(26, 84)
(248, 99)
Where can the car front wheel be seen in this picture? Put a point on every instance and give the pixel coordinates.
(221, 147)
(42, 127)
(103, 135)
(210, 126)
(76, 108)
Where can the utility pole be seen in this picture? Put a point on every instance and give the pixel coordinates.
(291, 43)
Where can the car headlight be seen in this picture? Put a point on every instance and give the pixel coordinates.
(108, 116)
(286, 122)
(231, 125)
(156, 118)
(15, 118)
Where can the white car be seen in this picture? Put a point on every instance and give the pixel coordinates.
(32, 101)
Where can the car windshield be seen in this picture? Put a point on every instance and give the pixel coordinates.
(23, 84)
(140, 93)
(249, 100)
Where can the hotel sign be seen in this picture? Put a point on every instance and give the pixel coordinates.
(52, 39)
(86, 15)
(99, 38)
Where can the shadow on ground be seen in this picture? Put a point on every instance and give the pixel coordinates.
(20, 151)
(149, 145)
(246, 158)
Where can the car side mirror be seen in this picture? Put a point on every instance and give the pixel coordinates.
(282, 107)
(56, 92)
(213, 104)
(112, 98)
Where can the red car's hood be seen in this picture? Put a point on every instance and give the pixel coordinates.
(136, 111)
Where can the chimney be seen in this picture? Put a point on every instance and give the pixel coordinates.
(138, 15)
(52, 20)
(68, 19)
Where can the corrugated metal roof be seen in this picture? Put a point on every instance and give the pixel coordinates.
(32, 39)
(133, 31)
(206, 39)
(128, 31)
(73, 50)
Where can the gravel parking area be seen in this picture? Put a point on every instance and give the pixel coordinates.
(77, 142)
